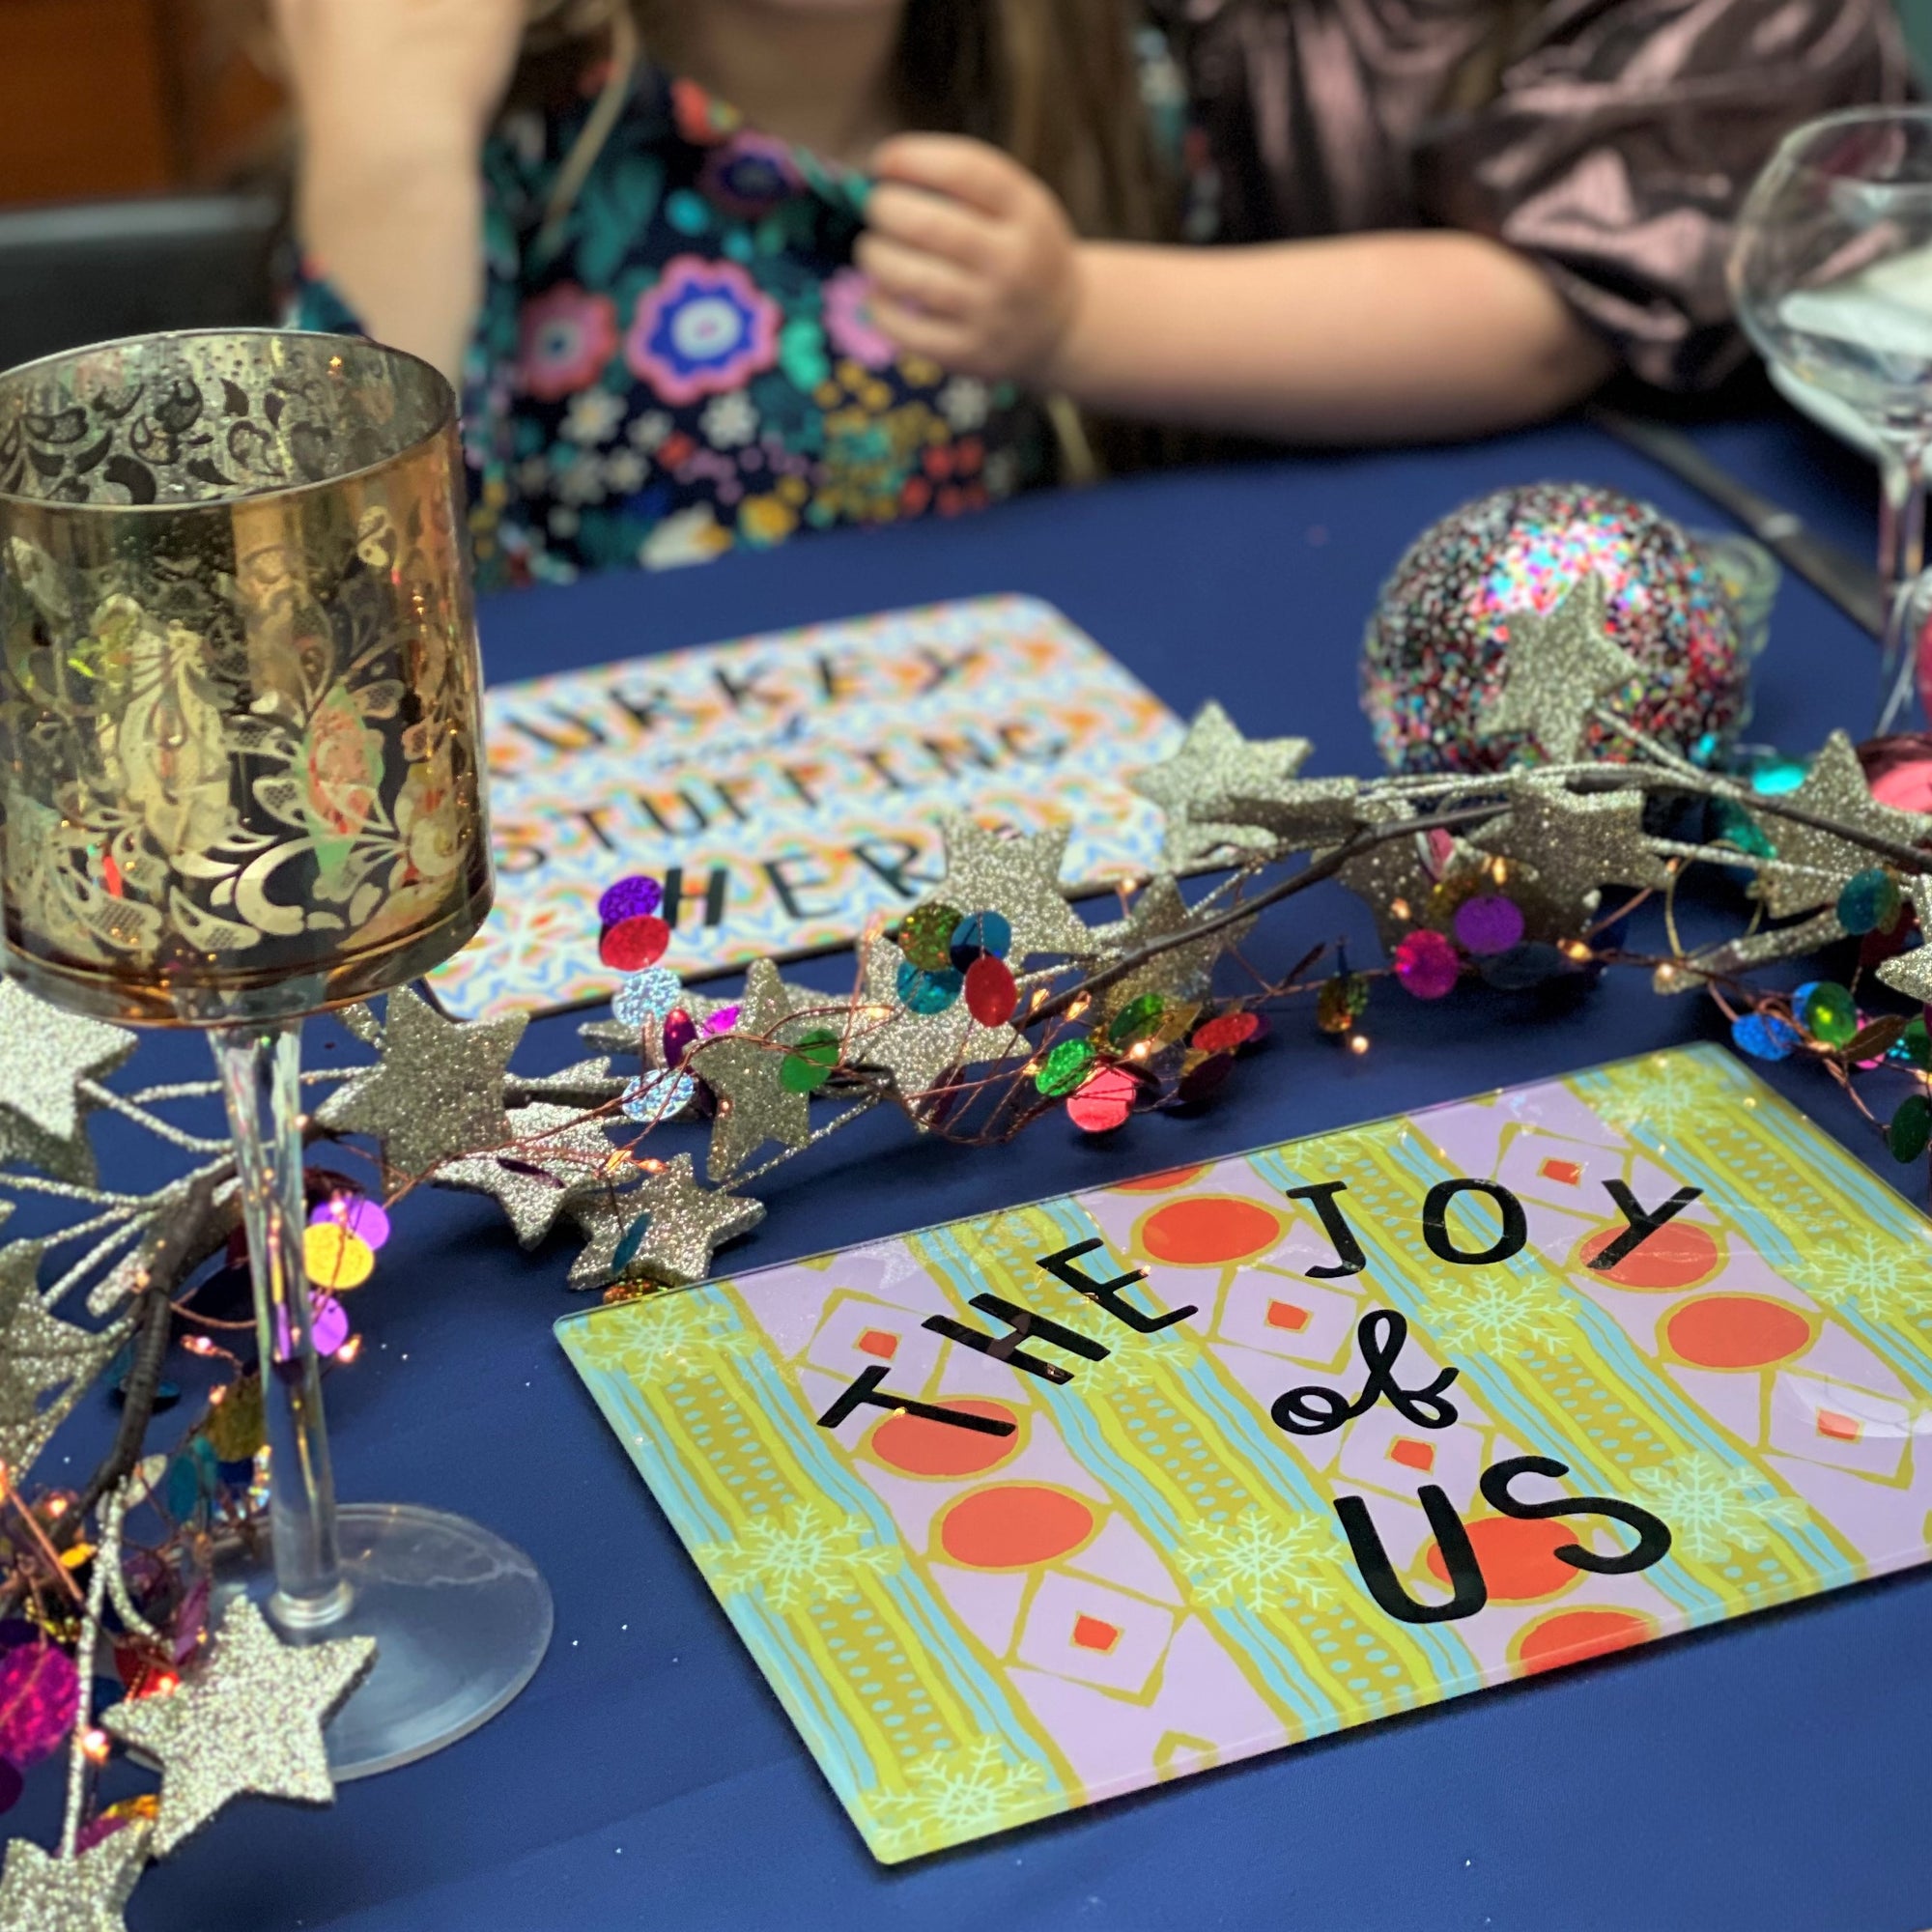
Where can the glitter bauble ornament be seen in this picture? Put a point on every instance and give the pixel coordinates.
(1689, 611)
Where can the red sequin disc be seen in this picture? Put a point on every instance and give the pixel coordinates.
(1103, 1101)
(990, 993)
(1230, 1031)
(634, 942)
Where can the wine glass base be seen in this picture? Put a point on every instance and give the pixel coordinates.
(460, 1620)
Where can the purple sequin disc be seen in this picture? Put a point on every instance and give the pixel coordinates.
(629, 899)
(1490, 923)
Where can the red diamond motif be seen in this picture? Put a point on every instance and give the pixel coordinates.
(1094, 1634)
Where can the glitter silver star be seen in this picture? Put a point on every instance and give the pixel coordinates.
(1911, 972)
(1214, 765)
(438, 1090)
(1388, 877)
(44, 1053)
(247, 1724)
(1556, 668)
(1184, 972)
(683, 1224)
(88, 1892)
(1017, 877)
(746, 1067)
(918, 1050)
(557, 1155)
(1834, 787)
(1597, 840)
(589, 1083)
(1568, 847)
(69, 1159)
(42, 1361)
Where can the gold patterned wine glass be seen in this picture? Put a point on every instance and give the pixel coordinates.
(240, 783)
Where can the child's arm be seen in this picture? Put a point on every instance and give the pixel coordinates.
(395, 97)
(1357, 338)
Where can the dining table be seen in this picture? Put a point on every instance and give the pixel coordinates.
(1763, 1775)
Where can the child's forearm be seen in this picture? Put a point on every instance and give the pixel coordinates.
(401, 237)
(1359, 338)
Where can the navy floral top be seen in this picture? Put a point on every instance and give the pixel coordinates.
(687, 363)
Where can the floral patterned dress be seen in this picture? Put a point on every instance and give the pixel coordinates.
(686, 363)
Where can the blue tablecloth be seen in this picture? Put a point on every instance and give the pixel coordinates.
(1766, 1776)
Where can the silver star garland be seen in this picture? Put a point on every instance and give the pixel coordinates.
(683, 1224)
(1181, 973)
(1388, 877)
(918, 1050)
(1223, 791)
(44, 1054)
(1558, 666)
(438, 1090)
(46, 1364)
(1018, 878)
(746, 1069)
(557, 1155)
(88, 1892)
(1911, 972)
(247, 1724)
(1834, 787)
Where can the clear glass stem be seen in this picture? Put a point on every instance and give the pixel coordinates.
(261, 1078)
(1901, 560)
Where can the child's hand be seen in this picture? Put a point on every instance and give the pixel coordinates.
(973, 259)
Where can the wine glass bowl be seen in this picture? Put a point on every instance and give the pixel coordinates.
(239, 706)
(1830, 274)
(1832, 267)
(241, 781)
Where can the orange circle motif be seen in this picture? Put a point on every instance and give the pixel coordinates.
(917, 1447)
(1679, 1255)
(1518, 1558)
(1160, 1183)
(1570, 1636)
(1736, 1331)
(1013, 1526)
(1207, 1230)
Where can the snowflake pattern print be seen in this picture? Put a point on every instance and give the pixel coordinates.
(954, 1795)
(1262, 1559)
(1714, 1508)
(798, 1558)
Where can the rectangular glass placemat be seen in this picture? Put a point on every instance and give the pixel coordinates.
(1027, 1511)
(784, 790)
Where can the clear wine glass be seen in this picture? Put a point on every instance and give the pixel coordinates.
(240, 781)
(1831, 273)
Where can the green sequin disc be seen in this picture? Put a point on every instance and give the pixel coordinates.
(811, 1061)
(1065, 1068)
(926, 936)
(1830, 1013)
(1138, 1020)
(1910, 1127)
